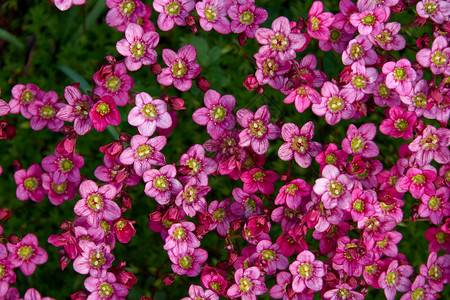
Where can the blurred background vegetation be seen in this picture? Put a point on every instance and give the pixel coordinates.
(40, 44)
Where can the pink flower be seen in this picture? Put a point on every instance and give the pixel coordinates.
(32, 294)
(161, 184)
(77, 110)
(257, 129)
(246, 204)
(269, 255)
(437, 10)
(246, 18)
(26, 254)
(279, 40)
(359, 141)
(66, 4)
(248, 284)
(29, 184)
(307, 272)
(382, 95)
(172, 12)
(138, 47)
(293, 193)
(419, 287)
(334, 188)
(338, 36)
(192, 199)
(270, 70)
(144, 153)
(58, 193)
(351, 257)
(188, 263)
(213, 14)
(23, 96)
(197, 167)
(181, 237)
(4, 108)
(96, 203)
(343, 291)
(217, 115)
(149, 114)
(399, 76)
(418, 181)
(362, 80)
(389, 38)
(124, 230)
(438, 239)
(318, 22)
(395, 278)
(64, 166)
(359, 49)
(436, 206)
(181, 69)
(104, 113)
(116, 85)
(222, 215)
(44, 112)
(257, 179)
(438, 57)
(105, 288)
(399, 124)
(302, 97)
(298, 144)
(431, 144)
(437, 271)
(197, 292)
(93, 259)
(8, 275)
(331, 156)
(362, 204)
(369, 21)
(124, 12)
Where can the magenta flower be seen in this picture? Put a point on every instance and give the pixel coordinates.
(144, 153)
(334, 188)
(362, 204)
(382, 95)
(437, 271)
(343, 291)
(418, 181)
(369, 21)
(362, 80)
(318, 22)
(248, 284)
(217, 115)
(387, 246)
(149, 114)
(302, 97)
(181, 69)
(222, 214)
(161, 184)
(197, 292)
(269, 255)
(181, 237)
(105, 287)
(389, 38)
(352, 257)
(93, 259)
(77, 110)
(26, 254)
(283, 288)
(270, 70)
(435, 206)
(336, 104)
(331, 156)
(307, 272)
(8, 275)
(359, 141)
(438, 57)
(23, 96)
(29, 184)
(257, 129)
(420, 288)
(96, 203)
(192, 199)
(197, 166)
(66, 4)
(438, 239)
(279, 40)
(58, 193)
(43, 112)
(257, 179)
(359, 49)
(395, 278)
(63, 167)
(138, 47)
(116, 85)
(298, 144)
(399, 76)
(431, 144)
(172, 12)
(124, 12)
(437, 10)
(213, 15)
(339, 38)
(188, 263)
(399, 124)
(246, 204)
(246, 18)
(104, 113)
(293, 193)
(32, 294)
(116, 173)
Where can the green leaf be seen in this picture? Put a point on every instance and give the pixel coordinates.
(5, 35)
(74, 76)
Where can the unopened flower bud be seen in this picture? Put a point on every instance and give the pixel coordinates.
(13, 239)
(168, 280)
(251, 83)
(242, 38)
(17, 165)
(260, 89)
(423, 41)
(80, 295)
(110, 59)
(203, 84)
(155, 69)
(398, 8)
(414, 213)
(190, 20)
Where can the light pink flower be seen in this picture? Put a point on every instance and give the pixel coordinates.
(105, 288)
(435, 206)
(58, 193)
(192, 199)
(399, 76)
(172, 12)
(181, 237)
(188, 263)
(77, 110)
(197, 166)
(29, 184)
(334, 188)
(437, 10)
(395, 278)
(43, 112)
(213, 15)
(64, 166)
(271, 70)
(307, 272)
(438, 57)
(93, 259)
(246, 18)
(257, 179)
(369, 21)
(359, 141)
(437, 271)
(116, 85)
(124, 12)
(389, 38)
(23, 96)
(362, 80)
(248, 284)
(26, 254)
(66, 4)
(359, 49)
(270, 256)
(161, 184)
(431, 144)
(246, 204)
(197, 292)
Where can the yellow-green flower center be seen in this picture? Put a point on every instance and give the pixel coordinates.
(219, 214)
(335, 35)
(161, 183)
(418, 294)
(245, 284)
(138, 49)
(144, 151)
(247, 17)
(194, 165)
(149, 111)
(418, 179)
(218, 113)
(430, 7)
(121, 225)
(179, 233)
(30, 183)
(95, 202)
(335, 104)
(291, 189)
(185, 262)
(392, 278)
(47, 112)
(435, 203)
(59, 189)
(127, 7)
(358, 205)
(315, 22)
(259, 176)
(105, 289)
(335, 188)
(270, 67)
(2, 271)
(357, 144)
(189, 195)
(97, 259)
(430, 142)
(113, 83)
(305, 270)
(343, 294)
(103, 109)
(384, 91)
(105, 226)
(399, 73)
(384, 37)
(173, 9)
(300, 144)
(82, 109)
(368, 20)
(356, 52)
(257, 128)
(401, 125)
(330, 159)
(268, 255)
(359, 82)
(420, 100)
(27, 97)
(278, 42)
(435, 272)
(65, 165)
(179, 69)
(25, 252)
(210, 13)
(441, 237)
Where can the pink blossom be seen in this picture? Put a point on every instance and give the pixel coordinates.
(222, 215)
(269, 255)
(77, 110)
(307, 272)
(359, 49)
(328, 238)
(387, 246)
(4, 108)
(279, 40)
(399, 124)
(389, 38)
(437, 10)
(197, 292)
(372, 273)
(376, 226)
(144, 153)
(246, 18)
(116, 85)
(124, 12)
(64, 166)
(181, 68)
(286, 216)
(270, 70)
(342, 19)
(32, 294)
(257, 129)
(395, 278)
(188, 263)
(302, 97)
(58, 193)
(331, 156)
(359, 141)
(23, 96)
(257, 179)
(438, 57)
(197, 167)
(104, 113)
(362, 204)
(248, 284)
(362, 80)
(116, 173)
(96, 203)
(343, 291)
(438, 239)
(93, 259)
(399, 76)
(213, 15)
(149, 114)
(246, 204)
(124, 230)
(283, 288)
(172, 12)
(161, 184)
(338, 36)
(418, 182)
(318, 22)
(437, 271)
(351, 256)
(105, 288)
(192, 199)
(217, 115)
(292, 193)
(43, 112)
(181, 237)
(26, 254)
(29, 184)
(431, 144)
(369, 21)
(66, 4)
(435, 206)
(419, 287)
(8, 275)
(382, 95)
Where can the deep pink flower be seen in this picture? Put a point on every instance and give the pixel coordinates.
(257, 179)
(318, 22)
(197, 292)
(417, 100)
(389, 38)
(298, 144)
(66, 4)
(338, 36)
(328, 238)
(217, 115)
(149, 114)
(93, 259)
(214, 279)
(138, 47)
(351, 257)
(197, 166)
(22, 97)
(437, 271)
(331, 156)
(172, 12)
(124, 12)
(77, 110)
(399, 76)
(435, 206)
(334, 188)
(343, 291)
(270, 70)
(302, 97)
(431, 144)
(105, 288)
(437, 10)
(372, 273)
(116, 173)
(362, 80)
(213, 15)
(4, 108)
(420, 289)
(382, 95)
(269, 256)
(161, 184)
(359, 141)
(438, 238)
(43, 112)
(181, 68)
(359, 49)
(64, 166)
(362, 204)
(279, 40)
(8, 275)
(399, 124)
(222, 214)
(58, 193)
(144, 153)
(188, 263)
(96, 203)
(307, 272)
(124, 230)
(32, 294)
(257, 129)
(369, 21)
(248, 284)
(104, 113)
(117, 85)
(246, 18)
(376, 226)
(292, 193)
(387, 246)
(283, 288)
(346, 8)
(438, 57)
(26, 254)
(246, 204)
(395, 278)
(29, 184)
(192, 199)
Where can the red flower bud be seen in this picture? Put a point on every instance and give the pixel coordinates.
(155, 69)
(251, 83)
(203, 84)
(242, 38)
